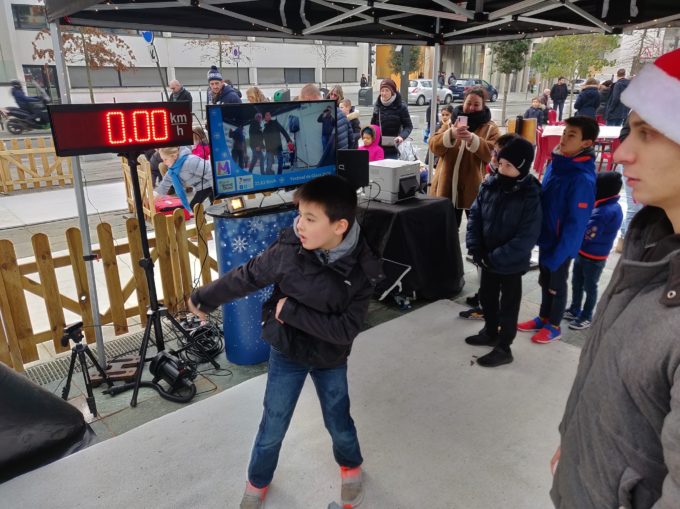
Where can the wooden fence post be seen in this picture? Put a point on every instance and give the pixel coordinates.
(203, 232)
(10, 352)
(16, 305)
(50, 288)
(116, 301)
(136, 255)
(183, 253)
(163, 249)
(75, 248)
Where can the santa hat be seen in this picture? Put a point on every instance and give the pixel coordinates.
(653, 94)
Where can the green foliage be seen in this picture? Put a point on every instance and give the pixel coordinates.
(509, 55)
(415, 58)
(573, 55)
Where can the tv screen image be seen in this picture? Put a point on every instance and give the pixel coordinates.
(266, 146)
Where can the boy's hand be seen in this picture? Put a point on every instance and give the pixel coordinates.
(555, 460)
(279, 307)
(195, 310)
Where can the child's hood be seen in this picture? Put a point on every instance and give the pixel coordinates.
(353, 114)
(376, 137)
(583, 162)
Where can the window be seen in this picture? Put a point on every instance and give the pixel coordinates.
(270, 75)
(243, 78)
(340, 74)
(143, 77)
(101, 78)
(299, 75)
(43, 76)
(192, 76)
(29, 17)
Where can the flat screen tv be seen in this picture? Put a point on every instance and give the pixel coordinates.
(267, 146)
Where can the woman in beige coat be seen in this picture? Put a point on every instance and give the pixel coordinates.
(464, 150)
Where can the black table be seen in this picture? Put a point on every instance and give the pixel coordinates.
(421, 233)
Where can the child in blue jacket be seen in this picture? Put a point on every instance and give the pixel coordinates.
(601, 232)
(567, 201)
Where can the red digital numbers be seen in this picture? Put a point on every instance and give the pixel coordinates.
(142, 126)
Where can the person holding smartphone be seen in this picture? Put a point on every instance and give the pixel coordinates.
(464, 147)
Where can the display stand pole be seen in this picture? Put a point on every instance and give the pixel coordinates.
(64, 87)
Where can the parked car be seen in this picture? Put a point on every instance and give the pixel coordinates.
(420, 92)
(576, 86)
(461, 86)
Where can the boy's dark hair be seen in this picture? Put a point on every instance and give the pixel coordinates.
(334, 194)
(503, 140)
(587, 125)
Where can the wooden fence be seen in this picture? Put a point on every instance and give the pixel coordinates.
(31, 163)
(171, 250)
(145, 186)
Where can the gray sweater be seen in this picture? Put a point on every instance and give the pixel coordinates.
(620, 435)
(195, 173)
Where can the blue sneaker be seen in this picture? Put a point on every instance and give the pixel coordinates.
(579, 324)
(547, 334)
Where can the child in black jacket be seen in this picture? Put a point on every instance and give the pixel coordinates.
(504, 224)
(323, 274)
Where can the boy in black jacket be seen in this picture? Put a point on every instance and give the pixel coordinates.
(323, 274)
(504, 224)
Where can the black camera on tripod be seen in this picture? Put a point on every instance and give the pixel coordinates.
(74, 333)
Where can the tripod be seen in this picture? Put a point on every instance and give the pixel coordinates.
(155, 312)
(75, 333)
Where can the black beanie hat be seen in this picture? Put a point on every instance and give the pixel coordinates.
(608, 184)
(520, 153)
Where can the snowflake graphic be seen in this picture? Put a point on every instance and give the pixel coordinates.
(255, 226)
(265, 293)
(239, 244)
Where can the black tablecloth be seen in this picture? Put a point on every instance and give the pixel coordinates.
(422, 233)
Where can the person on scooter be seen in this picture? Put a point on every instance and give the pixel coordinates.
(26, 102)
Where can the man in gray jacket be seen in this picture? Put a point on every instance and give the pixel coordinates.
(620, 434)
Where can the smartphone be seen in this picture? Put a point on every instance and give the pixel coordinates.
(462, 121)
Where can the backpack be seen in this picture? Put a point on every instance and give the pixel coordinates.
(293, 124)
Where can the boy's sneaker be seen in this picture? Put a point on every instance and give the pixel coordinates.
(579, 324)
(352, 490)
(253, 498)
(475, 313)
(497, 357)
(569, 316)
(547, 334)
(533, 325)
(482, 339)
(473, 301)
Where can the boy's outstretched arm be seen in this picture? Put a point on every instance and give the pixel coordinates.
(257, 273)
(340, 328)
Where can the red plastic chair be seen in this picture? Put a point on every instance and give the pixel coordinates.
(600, 120)
(552, 117)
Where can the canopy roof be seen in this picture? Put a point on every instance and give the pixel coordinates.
(389, 21)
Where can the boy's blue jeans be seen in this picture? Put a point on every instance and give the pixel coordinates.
(585, 276)
(284, 384)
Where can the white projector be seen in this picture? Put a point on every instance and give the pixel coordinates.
(393, 180)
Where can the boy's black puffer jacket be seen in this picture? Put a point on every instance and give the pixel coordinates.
(504, 224)
(326, 304)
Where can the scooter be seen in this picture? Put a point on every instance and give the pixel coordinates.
(20, 120)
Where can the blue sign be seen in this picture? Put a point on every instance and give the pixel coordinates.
(148, 36)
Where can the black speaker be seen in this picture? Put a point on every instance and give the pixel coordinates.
(353, 166)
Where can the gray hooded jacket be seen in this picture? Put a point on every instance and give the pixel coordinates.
(196, 173)
(620, 435)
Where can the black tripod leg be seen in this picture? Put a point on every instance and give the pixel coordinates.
(158, 330)
(88, 384)
(99, 368)
(142, 357)
(71, 367)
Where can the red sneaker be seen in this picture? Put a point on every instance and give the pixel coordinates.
(352, 490)
(533, 325)
(547, 334)
(253, 498)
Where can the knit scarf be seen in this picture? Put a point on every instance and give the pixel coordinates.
(475, 119)
(174, 171)
(389, 101)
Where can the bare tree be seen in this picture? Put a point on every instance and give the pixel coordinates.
(94, 47)
(325, 54)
